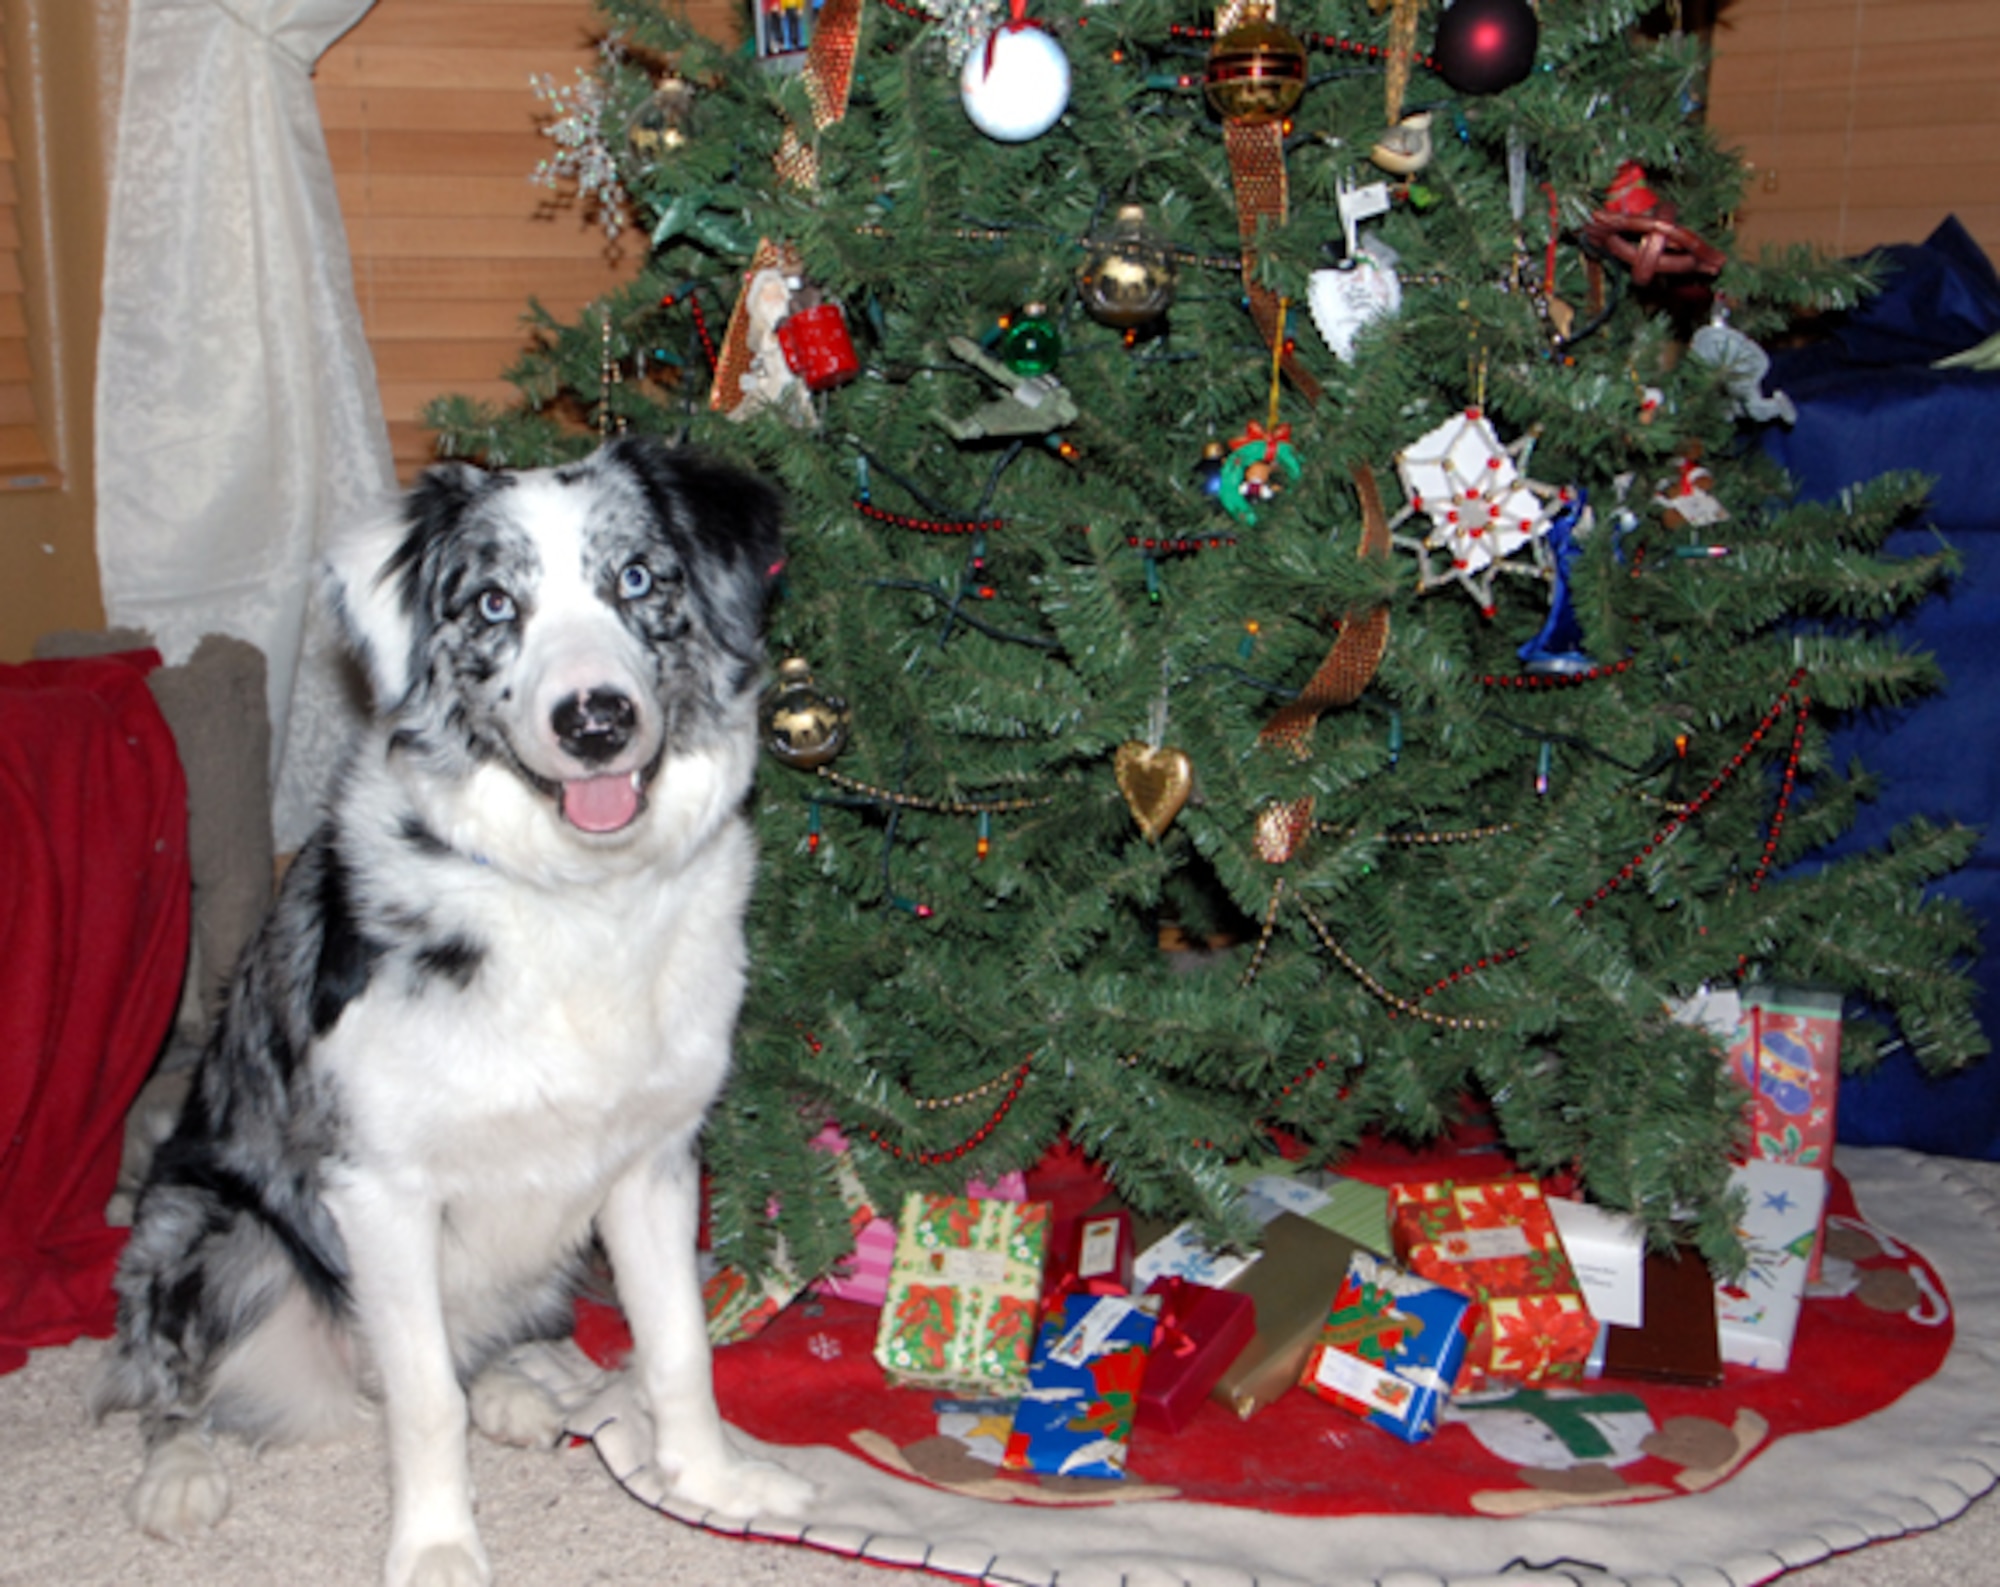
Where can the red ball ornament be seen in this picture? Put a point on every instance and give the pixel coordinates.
(1484, 46)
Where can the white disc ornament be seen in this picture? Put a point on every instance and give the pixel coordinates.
(1015, 85)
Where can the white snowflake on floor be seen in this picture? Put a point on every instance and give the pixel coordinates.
(824, 1347)
(1481, 508)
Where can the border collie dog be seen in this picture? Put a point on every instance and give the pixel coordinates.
(487, 1014)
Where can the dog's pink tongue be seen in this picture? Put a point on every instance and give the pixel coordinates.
(600, 804)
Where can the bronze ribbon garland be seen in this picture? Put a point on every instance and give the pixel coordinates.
(829, 75)
(1257, 167)
(830, 60)
(1357, 650)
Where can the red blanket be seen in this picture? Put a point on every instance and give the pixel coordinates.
(93, 945)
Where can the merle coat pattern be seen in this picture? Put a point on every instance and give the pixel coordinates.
(487, 1013)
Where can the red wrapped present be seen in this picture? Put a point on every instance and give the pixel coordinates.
(1201, 1333)
(1496, 1241)
(1089, 1255)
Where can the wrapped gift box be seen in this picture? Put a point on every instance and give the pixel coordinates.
(1758, 1313)
(1201, 1333)
(1607, 1252)
(863, 1274)
(1783, 1046)
(1496, 1241)
(1090, 1255)
(1181, 1253)
(1075, 1420)
(1676, 1342)
(1786, 1052)
(1292, 1283)
(1352, 1207)
(962, 1295)
(739, 1307)
(1391, 1347)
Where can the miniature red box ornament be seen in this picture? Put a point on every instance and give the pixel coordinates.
(817, 347)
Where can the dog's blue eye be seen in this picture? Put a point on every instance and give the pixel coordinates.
(496, 606)
(635, 583)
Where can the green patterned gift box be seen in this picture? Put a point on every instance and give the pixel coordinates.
(960, 1312)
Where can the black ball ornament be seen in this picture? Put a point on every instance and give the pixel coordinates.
(1484, 46)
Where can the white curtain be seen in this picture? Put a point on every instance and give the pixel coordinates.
(238, 424)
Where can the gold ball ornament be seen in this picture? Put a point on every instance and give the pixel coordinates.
(1129, 274)
(665, 122)
(1256, 71)
(803, 726)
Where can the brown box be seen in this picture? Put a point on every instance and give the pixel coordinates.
(1678, 1342)
(1293, 1284)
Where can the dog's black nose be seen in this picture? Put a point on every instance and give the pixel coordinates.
(594, 725)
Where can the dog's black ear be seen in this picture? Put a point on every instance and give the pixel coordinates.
(736, 517)
(372, 574)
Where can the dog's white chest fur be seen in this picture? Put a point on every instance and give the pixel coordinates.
(592, 1025)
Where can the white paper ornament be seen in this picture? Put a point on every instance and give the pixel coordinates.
(1343, 301)
(1465, 482)
(1016, 85)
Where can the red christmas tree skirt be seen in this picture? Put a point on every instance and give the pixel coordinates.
(1888, 1421)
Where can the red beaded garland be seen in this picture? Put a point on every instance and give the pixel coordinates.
(929, 526)
(1181, 545)
(1792, 695)
(1314, 41)
(1790, 783)
(976, 1138)
(700, 323)
(1552, 680)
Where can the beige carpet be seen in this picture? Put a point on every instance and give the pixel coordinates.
(318, 1517)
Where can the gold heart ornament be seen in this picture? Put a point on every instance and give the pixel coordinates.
(1155, 783)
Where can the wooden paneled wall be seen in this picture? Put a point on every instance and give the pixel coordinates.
(1867, 121)
(59, 63)
(27, 442)
(434, 131)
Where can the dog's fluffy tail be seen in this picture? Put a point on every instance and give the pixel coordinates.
(218, 1328)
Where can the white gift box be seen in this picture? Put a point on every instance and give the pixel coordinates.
(1607, 1251)
(1758, 1314)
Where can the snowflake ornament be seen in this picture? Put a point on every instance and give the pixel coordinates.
(1481, 508)
(962, 26)
(583, 156)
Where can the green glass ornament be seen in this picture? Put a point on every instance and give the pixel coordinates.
(1031, 344)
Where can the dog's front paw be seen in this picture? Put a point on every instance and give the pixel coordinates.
(741, 1489)
(182, 1491)
(510, 1407)
(439, 1565)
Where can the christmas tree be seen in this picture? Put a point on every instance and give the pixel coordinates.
(1287, 634)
